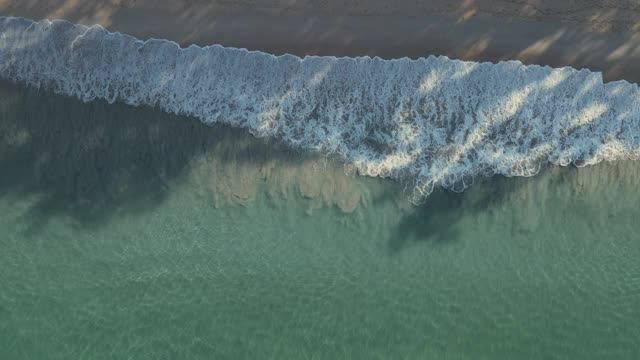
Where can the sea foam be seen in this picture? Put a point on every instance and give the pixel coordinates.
(429, 122)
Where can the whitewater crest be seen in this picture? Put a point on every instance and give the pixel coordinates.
(430, 122)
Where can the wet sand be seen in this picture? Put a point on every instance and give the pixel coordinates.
(599, 35)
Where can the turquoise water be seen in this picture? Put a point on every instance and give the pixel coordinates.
(128, 233)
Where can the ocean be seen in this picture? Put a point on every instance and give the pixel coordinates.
(131, 232)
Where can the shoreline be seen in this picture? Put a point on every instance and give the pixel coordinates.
(482, 37)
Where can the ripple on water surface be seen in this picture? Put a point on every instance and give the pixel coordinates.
(128, 232)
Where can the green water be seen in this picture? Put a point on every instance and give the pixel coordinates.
(131, 234)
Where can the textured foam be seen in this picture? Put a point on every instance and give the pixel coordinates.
(431, 121)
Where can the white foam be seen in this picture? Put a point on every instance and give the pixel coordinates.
(433, 121)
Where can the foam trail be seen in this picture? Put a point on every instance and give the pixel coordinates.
(432, 121)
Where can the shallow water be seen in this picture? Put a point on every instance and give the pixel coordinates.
(129, 233)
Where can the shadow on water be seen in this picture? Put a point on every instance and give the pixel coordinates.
(436, 220)
(608, 187)
(432, 221)
(91, 160)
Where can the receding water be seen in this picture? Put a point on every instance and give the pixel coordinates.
(129, 233)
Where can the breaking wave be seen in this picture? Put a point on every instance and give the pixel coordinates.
(431, 121)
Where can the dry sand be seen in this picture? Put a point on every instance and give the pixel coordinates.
(597, 34)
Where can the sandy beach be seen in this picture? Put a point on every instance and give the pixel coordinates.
(598, 35)
(213, 203)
